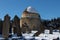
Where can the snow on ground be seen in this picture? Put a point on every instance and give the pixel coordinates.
(28, 36)
(44, 35)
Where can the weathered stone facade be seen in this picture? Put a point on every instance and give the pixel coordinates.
(32, 20)
(6, 26)
(16, 25)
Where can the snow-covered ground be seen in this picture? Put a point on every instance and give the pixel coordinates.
(28, 36)
(44, 35)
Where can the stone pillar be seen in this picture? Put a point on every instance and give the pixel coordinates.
(6, 26)
(51, 29)
(16, 26)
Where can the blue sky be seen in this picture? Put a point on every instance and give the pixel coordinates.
(47, 9)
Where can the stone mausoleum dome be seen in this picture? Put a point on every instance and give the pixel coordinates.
(30, 12)
(30, 19)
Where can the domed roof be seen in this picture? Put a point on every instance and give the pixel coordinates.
(30, 12)
(31, 9)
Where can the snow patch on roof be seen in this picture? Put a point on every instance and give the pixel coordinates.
(30, 9)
